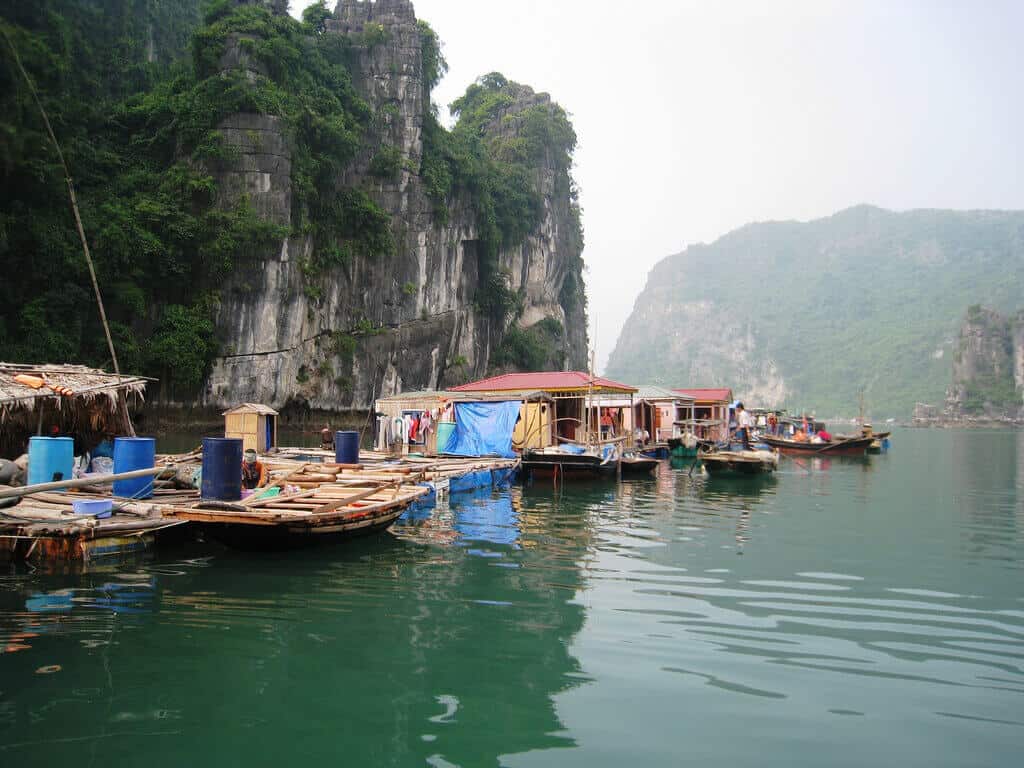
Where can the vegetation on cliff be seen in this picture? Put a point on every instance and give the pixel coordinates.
(984, 363)
(866, 299)
(137, 112)
(497, 170)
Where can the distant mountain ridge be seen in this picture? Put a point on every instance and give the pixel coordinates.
(808, 314)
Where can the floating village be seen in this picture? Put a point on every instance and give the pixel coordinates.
(82, 487)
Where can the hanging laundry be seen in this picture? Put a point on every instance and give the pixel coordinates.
(426, 424)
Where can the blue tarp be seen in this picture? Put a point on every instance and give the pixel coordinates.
(483, 429)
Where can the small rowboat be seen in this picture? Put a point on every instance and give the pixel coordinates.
(740, 462)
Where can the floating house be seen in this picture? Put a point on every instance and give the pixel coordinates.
(86, 403)
(255, 424)
(574, 400)
(402, 412)
(660, 410)
(710, 411)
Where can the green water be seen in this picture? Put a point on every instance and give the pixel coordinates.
(842, 613)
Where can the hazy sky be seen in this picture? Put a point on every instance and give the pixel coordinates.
(696, 118)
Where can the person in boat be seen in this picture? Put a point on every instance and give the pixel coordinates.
(773, 424)
(825, 435)
(743, 425)
(326, 439)
(254, 474)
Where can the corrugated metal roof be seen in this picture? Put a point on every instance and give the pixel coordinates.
(543, 380)
(720, 394)
(652, 392)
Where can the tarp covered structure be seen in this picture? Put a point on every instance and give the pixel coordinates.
(483, 429)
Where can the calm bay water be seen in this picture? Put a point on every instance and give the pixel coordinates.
(841, 613)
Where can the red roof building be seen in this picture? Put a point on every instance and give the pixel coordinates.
(710, 411)
(708, 394)
(546, 381)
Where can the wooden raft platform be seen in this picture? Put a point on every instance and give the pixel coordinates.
(292, 466)
(43, 526)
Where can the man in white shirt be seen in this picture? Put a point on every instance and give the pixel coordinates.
(744, 422)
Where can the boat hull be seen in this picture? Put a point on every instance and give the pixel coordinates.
(854, 447)
(567, 465)
(290, 536)
(739, 463)
(640, 465)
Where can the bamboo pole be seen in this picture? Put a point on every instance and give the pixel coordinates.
(27, 490)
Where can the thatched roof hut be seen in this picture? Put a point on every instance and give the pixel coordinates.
(82, 402)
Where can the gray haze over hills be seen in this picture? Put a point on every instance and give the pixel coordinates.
(809, 314)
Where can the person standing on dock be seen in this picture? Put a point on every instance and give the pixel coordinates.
(743, 422)
(254, 474)
(326, 439)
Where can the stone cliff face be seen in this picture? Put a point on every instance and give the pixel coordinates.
(988, 367)
(409, 316)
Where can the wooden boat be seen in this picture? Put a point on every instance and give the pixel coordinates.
(740, 462)
(638, 465)
(656, 451)
(855, 446)
(328, 512)
(548, 463)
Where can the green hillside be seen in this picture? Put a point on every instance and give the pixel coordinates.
(808, 314)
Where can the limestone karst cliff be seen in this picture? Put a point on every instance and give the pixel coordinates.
(988, 366)
(274, 210)
(409, 317)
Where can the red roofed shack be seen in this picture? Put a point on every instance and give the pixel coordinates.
(577, 400)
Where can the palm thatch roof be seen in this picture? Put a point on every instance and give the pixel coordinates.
(86, 403)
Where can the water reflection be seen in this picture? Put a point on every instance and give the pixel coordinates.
(391, 651)
(724, 620)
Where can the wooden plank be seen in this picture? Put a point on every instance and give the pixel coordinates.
(344, 501)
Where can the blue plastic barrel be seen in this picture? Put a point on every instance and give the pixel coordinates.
(346, 447)
(50, 458)
(131, 453)
(222, 469)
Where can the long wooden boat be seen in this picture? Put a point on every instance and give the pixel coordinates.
(329, 512)
(856, 446)
(740, 462)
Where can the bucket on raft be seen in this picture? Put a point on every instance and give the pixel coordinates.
(50, 458)
(130, 454)
(222, 469)
(444, 433)
(346, 447)
(98, 508)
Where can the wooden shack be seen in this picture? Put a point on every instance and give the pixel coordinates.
(711, 407)
(574, 400)
(256, 424)
(85, 403)
(658, 410)
(533, 428)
